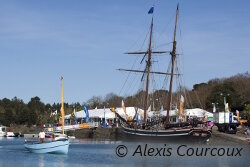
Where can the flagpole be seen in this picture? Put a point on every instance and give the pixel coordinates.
(62, 106)
(104, 119)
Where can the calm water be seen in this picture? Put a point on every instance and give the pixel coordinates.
(103, 153)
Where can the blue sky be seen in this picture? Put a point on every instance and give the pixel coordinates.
(85, 40)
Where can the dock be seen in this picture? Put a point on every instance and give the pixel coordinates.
(30, 135)
(220, 137)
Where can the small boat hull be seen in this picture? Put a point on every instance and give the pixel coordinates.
(56, 147)
(10, 134)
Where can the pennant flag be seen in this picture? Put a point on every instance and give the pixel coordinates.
(104, 124)
(206, 118)
(230, 117)
(181, 107)
(136, 116)
(214, 108)
(227, 107)
(135, 109)
(238, 115)
(182, 98)
(161, 109)
(151, 10)
(149, 108)
(124, 109)
(104, 111)
(75, 113)
(87, 113)
(53, 113)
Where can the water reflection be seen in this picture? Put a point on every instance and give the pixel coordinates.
(47, 160)
(62, 162)
(41, 161)
(93, 141)
(102, 153)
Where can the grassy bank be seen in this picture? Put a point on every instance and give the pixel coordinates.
(24, 129)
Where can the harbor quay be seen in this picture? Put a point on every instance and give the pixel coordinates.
(116, 134)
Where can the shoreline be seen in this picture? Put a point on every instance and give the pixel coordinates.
(116, 134)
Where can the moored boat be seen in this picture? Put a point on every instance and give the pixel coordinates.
(164, 129)
(5, 133)
(10, 134)
(49, 135)
(59, 145)
(2, 131)
(187, 134)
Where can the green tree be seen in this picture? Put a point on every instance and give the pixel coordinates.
(215, 96)
(247, 109)
(36, 105)
(8, 117)
(95, 101)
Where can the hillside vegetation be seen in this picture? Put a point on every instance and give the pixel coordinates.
(202, 95)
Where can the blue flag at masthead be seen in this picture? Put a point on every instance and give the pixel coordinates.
(151, 10)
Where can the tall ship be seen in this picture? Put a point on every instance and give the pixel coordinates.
(164, 129)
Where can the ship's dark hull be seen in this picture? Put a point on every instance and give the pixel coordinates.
(173, 134)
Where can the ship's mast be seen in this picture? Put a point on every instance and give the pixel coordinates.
(62, 106)
(148, 72)
(173, 56)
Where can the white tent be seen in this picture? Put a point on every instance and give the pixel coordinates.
(99, 113)
(130, 111)
(171, 113)
(195, 112)
(94, 113)
(198, 112)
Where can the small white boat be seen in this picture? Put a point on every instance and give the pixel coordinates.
(71, 137)
(60, 146)
(10, 134)
(2, 131)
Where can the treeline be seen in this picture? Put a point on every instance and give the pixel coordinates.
(236, 89)
(35, 112)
